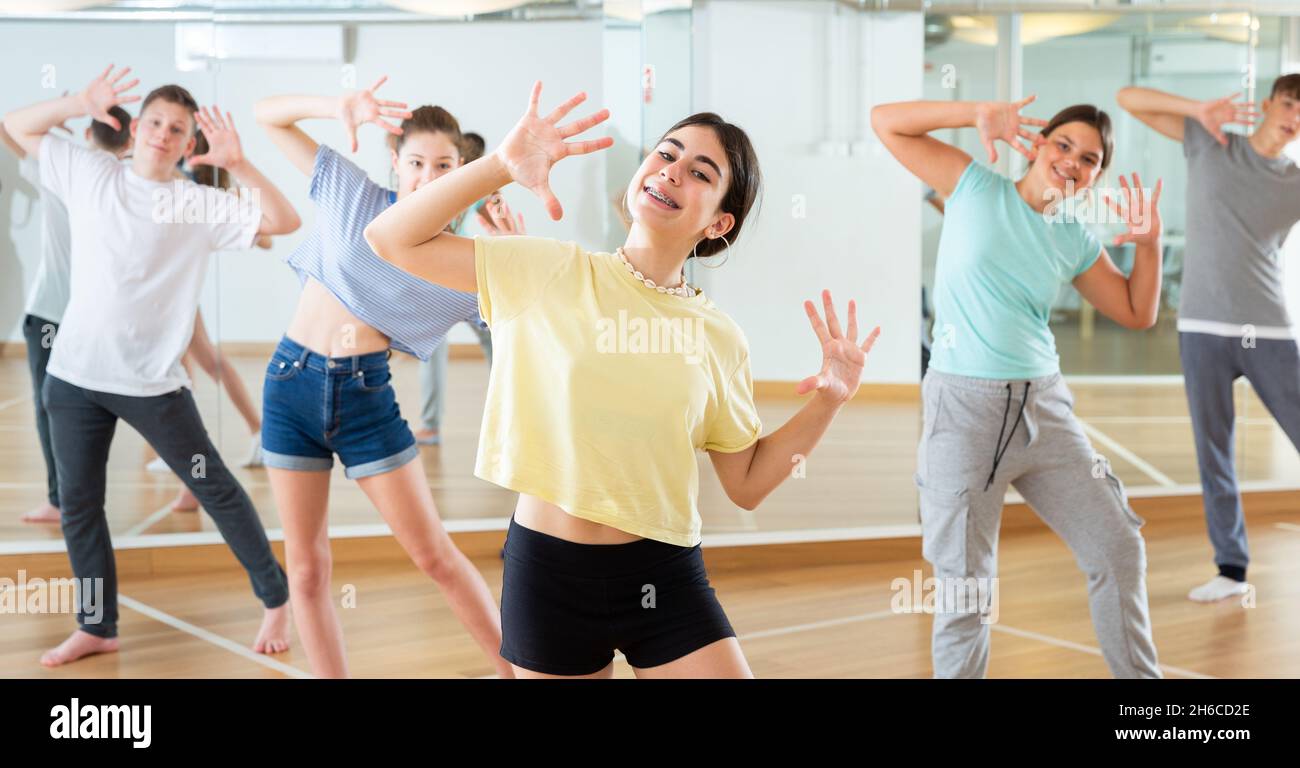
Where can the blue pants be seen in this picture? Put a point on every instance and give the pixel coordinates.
(1211, 364)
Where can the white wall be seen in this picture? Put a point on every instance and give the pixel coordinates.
(622, 79)
(770, 68)
(667, 42)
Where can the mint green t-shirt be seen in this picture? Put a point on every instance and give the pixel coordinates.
(1001, 265)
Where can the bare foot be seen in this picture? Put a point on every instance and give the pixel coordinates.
(78, 645)
(185, 501)
(45, 513)
(273, 637)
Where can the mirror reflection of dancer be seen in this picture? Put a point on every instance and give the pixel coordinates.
(1243, 198)
(49, 293)
(328, 386)
(600, 440)
(1003, 257)
(119, 347)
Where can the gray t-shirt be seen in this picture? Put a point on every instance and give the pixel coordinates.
(1240, 207)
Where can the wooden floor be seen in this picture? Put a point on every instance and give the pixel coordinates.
(859, 476)
(822, 621)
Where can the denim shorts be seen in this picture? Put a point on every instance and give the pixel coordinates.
(315, 406)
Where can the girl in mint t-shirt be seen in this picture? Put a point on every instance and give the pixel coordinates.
(996, 409)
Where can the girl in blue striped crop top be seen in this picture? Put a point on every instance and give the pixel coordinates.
(328, 388)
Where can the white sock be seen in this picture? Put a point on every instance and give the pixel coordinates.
(254, 452)
(1218, 588)
(158, 465)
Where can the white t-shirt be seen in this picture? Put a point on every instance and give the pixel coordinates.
(139, 254)
(49, 294)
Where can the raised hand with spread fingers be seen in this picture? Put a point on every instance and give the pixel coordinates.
(361, 107)
(842, 357)
(27, 126)
(537, 143)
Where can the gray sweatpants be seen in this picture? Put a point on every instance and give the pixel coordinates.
(1045, 454)
(1210, 366)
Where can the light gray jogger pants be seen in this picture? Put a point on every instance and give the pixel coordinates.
(972, 425)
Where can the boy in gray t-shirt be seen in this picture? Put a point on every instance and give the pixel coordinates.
(1243, 197)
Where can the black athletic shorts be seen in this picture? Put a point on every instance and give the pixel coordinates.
(566, 607)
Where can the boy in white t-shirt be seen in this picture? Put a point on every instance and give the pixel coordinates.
(140, 242)
(49, 294)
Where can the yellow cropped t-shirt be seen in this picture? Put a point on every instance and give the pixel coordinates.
(603, 390)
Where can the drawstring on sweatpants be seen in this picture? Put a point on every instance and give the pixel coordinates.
(1000, 450)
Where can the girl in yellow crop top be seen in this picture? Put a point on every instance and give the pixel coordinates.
(610, 373)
